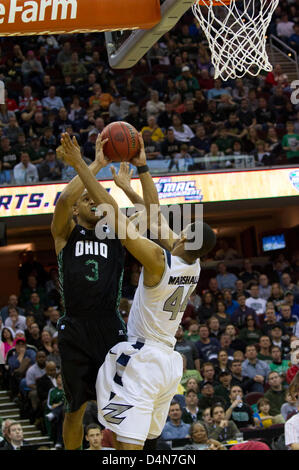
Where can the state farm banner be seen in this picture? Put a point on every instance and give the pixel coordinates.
(176, 189)
(24, 17)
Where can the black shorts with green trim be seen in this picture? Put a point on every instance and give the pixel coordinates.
(83, 345)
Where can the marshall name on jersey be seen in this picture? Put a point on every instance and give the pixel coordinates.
(90, 273)
(157, 311)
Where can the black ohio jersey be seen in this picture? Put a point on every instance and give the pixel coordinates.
(90, 273)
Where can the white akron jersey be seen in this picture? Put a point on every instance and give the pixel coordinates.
(157, 311)
(139, 377)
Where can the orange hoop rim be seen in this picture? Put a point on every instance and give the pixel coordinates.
(215, 3)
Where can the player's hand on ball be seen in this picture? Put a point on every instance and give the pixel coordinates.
(100, 157)
(70, 150)
(123, 178)
(140, 160)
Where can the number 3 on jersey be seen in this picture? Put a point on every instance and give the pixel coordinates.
(174, 303)
(94, 270)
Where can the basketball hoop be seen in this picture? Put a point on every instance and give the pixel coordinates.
(236, 33)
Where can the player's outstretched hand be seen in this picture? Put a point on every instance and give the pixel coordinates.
(70, 151)
(141, 159)
(100, 157)
(122, 179)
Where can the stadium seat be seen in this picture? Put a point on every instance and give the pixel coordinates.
(253, 397)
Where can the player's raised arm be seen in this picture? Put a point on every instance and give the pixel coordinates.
(156, 220)
(149, 254)
(122, 179)
(62, 222)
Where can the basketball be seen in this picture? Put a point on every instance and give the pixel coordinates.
(123, 143)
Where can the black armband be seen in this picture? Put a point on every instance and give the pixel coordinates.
(142, 169)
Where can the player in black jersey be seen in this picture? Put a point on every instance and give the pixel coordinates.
(90, 274)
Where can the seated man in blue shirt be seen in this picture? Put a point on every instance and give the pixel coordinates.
(225, 279)
(255, 369)
(175, 428)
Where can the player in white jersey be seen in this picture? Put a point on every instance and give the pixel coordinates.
(139, 377)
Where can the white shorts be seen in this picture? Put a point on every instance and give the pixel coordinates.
(135, 386)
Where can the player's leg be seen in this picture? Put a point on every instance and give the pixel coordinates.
(125, 405)
(73, 431)
(119, 445)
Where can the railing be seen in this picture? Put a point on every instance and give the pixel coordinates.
(285, 50)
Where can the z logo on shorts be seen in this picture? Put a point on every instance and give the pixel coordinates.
(116, 410)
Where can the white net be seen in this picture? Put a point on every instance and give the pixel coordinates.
(236, 33)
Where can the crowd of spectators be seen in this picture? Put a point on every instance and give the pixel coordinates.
(235, 339)
(63, 83)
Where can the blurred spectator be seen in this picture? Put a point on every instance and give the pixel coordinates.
(34, 372)
(264, 287)
(287, 284)
(65, 54)
(290, 143)
(157, 135)
(19, 360)
(188, 349)
(222, 429)
(275, 394)
(230, 304)
(289, 408)
(207, 307)
(278, 364)
(254, 301)
(74, 68)
(287, 319)
(217, 91)
(191, 412)
(51, 168)
(239, 290)
(52, 101)
(250, 334)
(7, 338)
(154, 106)
(54, 356)
(52, 322)
(276, 296)
(207, 347)
(221, 314)
(192, 334)
(24, 172)
(33, 336)
(255, 369)
(214, 327)
(264, 349)
(36, 308)
(94, 436)
(14, 320)
(249, 274)
(289, 299)
(15, 437)
(284, 28)
(294, 38)
(175, 428)
(12, 302)
(31, 287)
(119, 109)
(225, 279)
(279, 339)
(182, 132)
(225, 252)
(239, 412)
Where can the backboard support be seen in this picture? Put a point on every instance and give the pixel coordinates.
(126, 48)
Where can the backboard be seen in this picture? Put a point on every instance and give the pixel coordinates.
(126, 48)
